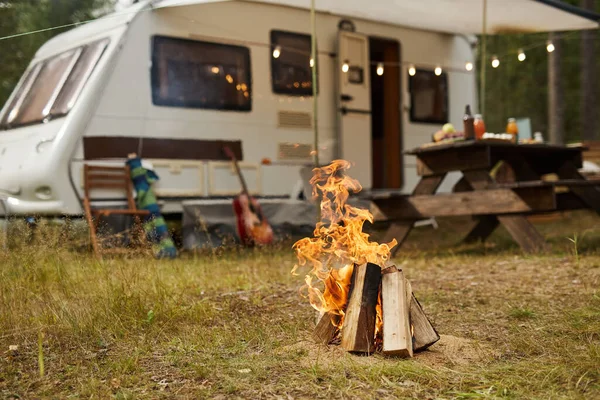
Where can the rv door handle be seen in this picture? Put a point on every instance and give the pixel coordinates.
(345, 110)
(347, 97)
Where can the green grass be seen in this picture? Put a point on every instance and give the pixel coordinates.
(521, 313)
(232, 324)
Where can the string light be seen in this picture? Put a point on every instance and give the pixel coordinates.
(495, 62)
(380, 69)
(312, 63)
(345, 66)
(438, 70)
(277, 52)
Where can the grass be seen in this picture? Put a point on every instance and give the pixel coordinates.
(232, 324)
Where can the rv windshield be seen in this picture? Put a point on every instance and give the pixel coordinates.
(51, 87)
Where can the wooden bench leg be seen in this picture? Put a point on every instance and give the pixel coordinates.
(521, 230)
(462, 186)
(524, 233)
(399, 230)
(486, 224)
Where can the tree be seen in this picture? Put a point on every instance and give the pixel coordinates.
(517, 88)
(589, 83)
(22, 16)
(520, 89)
(556, 109)
(13, 58)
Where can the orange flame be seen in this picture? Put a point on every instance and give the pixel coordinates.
(338, 243)
(379, 317)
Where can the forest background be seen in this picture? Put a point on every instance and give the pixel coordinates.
(514, 89)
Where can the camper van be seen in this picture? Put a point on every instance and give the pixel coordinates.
(177, 80)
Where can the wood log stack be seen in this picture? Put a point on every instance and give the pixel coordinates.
(404, 328)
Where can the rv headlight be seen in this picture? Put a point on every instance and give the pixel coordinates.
(43, 145)
(43, 192)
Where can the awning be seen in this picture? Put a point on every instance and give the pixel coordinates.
(451, 16)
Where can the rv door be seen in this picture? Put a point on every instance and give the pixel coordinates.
(354, 104)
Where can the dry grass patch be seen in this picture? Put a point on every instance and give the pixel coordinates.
(232, 325)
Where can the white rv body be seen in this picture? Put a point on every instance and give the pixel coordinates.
(40, 164)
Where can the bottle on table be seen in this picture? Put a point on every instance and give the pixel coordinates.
(512, 128)
(469, 128)
(479, 126)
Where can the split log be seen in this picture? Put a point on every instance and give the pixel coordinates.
(395, 292)
(358, 331)
(326, 328)
(424, 334)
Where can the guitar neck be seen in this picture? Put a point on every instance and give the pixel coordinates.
(242, 180)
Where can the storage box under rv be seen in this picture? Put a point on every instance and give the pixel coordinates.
(175, 83)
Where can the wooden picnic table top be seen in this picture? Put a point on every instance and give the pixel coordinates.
(528, 160)
(498, 145)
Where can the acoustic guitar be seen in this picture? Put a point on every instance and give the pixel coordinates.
(252, 226)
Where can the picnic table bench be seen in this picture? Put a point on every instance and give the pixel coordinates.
(491, 202)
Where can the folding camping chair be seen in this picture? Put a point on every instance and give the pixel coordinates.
(103, 177)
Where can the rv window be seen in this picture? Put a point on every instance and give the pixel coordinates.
(40, 97)
(428, 97)
(189, 73)
(77, 79)
(51, 87)
(290, 63)
(17, 101)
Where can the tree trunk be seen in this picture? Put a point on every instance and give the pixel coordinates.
(588, 105)
(556, 109)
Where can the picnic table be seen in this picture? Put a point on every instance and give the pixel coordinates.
(490, 202)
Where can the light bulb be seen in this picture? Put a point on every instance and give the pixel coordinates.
(277, 52)
(345, 66)
(521, 55)
(412, 70)
(380, 69)
(469, 66)
(495, 62)
(438, 71)
(312, 62)
(215, 70)
(549, 46)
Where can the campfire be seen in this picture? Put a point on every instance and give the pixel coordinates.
(364, 301)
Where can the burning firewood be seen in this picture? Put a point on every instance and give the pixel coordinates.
(345, 283)
(396, 296)
(326, 328)
(423, 331)
(358, 330)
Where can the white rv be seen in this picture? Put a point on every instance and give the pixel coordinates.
(175, 80)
